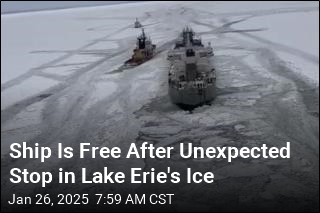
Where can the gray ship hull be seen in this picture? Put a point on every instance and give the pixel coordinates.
(192, 96)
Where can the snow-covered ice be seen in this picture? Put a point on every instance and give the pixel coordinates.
(61, 83)
(27, 88)
(294, 36)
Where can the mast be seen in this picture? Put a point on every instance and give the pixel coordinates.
(142, 40)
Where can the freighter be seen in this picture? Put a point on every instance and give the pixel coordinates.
(191, 77)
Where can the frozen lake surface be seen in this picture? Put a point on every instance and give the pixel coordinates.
(58, 85)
